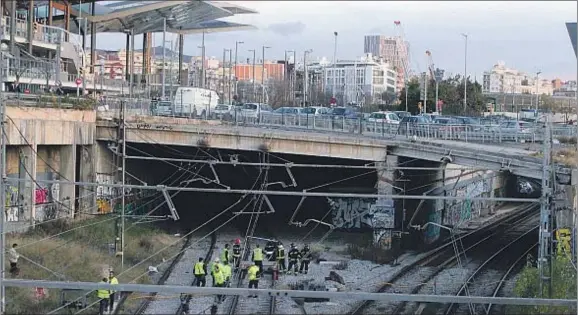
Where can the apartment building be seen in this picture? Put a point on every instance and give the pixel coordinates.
(501, 79)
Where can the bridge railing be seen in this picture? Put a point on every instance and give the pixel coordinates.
(365, 127)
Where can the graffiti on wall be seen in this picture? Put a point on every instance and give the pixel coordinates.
(107, 198)
(46, 203)
(460, 211)
(351, 213)
(432, 232)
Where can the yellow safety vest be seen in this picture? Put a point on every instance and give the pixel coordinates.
(226, 271)
(213, 267)
(252, 272)
(103, 294)
(257, 254)
(219, 277)
(113, 280)
(200, 269)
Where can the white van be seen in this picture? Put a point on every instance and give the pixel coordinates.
(192, 102)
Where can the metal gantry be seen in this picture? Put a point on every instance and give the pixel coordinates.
(546, 217)
(121, 177)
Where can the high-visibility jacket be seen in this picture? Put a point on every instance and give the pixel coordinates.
(236, 250)
(199, 268)
(219, 277)
(225, 255)
(113, 280)
(280, 254)
(252, 272)
(101, 293)
(257, 254)
(227, 271)
(214, 265)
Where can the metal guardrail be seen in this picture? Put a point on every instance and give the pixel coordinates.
(465, 133)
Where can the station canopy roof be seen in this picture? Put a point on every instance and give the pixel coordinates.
(183, 17)
(572, 30)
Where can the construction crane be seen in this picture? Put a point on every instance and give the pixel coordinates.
(401, 61)
(437, 75)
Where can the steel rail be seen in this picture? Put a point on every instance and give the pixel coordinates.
(451, 262)
(187, 299)
(145, 303)
(441, 250)
(450, 307)
(507, 274)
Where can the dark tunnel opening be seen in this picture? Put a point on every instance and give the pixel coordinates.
(195, 208)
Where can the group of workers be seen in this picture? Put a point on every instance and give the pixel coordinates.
(107, 297)
(221, 269)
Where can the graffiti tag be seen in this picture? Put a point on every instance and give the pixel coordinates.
(157, 127)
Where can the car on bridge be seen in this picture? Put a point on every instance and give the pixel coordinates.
(413, 125)
(254, 111)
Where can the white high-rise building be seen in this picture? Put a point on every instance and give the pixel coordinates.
(360, 81)
(393, 50)
(501, 79)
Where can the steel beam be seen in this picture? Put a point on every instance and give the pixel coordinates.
(281, 193)
(359, 296)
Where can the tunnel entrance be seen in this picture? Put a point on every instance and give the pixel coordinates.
(195, 208)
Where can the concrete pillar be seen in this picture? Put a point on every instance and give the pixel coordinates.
(28, 188)
(30, 24)
(384, 210)
(86, 195)
(50, 8)
(127, 58)
(68, 170)
(145, 52)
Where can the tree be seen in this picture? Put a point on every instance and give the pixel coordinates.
(450, 92)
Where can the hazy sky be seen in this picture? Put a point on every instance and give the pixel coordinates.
(528, 35)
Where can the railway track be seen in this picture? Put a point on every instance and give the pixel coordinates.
(146, 301)
(186, 299)
(435, 261)
(510, 254)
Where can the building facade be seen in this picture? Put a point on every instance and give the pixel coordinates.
(361, 81)
(501, 79)
(273, 71)
(566, 89)
(392, 50)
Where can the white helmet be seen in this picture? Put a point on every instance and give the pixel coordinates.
(217, 260)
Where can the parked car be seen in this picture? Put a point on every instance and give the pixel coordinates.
(288, 110)
(447, 127)
(470, 123)
(347, 112)
(410, 125)
(429, 117)
(383, 117)
(402, 114)
(223, 111)
(317, 110)
(255, 110)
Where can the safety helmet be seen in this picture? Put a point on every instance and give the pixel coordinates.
(292, 245)
(306, 247)
(238, 241)
(280, 246)
(217, 259)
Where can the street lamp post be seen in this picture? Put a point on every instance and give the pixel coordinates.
(230, 75)
(202, 79)
(224, 76)
(263, 75)
(237, 43)
(254, 98)
(537, 92)
(305, 77)
(334, 61)
(294, 77)
(465, 70)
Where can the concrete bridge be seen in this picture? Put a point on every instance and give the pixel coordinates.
(221, 135)
(73, 145)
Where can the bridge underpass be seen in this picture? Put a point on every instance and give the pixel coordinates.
(158, 164)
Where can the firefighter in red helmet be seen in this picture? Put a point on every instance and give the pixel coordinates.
(236, 253)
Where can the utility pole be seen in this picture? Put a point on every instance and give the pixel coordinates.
(230, 75)
(121, 167)
(546, 218)
(254, 98)
(465, 72)
(294, 79)
(2, 188)
(334, 62)
(163, 74)
(202, 79)
(285, 83)
(537, 91)
(425, 83)
(263, 75)
(224, 76)
(237, 43)
(305, 77)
